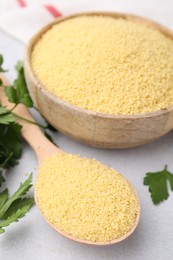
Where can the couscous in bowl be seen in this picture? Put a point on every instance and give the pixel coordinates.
(105, 130)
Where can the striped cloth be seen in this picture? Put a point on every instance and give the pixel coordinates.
(23, 18)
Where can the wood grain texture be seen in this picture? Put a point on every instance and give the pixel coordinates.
(98, 129)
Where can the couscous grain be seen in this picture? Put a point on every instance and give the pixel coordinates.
(85, 198)
(104, 64)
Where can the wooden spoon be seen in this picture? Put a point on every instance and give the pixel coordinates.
(43, 149)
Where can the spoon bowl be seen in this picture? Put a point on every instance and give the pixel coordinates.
(44, 149)
(90, 127)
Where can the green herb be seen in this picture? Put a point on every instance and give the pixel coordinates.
(10, 131)
(10, 144)
(16, 206)
(1, 178)
(18, 93)
(158, 184)
(1, 63)
(6, 117)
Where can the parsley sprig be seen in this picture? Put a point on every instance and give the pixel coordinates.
(14, 207)
(10, 130)
(10, 136)
(18, 92)
(158, 184)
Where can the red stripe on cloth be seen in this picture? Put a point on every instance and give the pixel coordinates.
(52, 10)
(21, 3)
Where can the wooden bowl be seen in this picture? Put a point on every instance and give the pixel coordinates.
(90, 127)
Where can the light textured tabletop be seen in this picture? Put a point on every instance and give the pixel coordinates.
(31, 238)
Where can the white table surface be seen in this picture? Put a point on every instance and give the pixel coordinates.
(31, 238)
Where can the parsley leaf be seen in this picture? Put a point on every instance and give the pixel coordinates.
(16, 206)
(1, 178)
(22, 190)
(10, 131)
(18, 93)
(10, 144)
(6, 116)
(158, 184)
(1, 62)
(14, 217)
(6, 119)
(3, 197)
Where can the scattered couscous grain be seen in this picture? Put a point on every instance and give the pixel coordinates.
(85, 198)
(104, 64)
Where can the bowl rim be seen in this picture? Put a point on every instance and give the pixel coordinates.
(27, 63)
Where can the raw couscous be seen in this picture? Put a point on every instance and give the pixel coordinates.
(85, 198)
(105, 64)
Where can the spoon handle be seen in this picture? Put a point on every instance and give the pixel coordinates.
(30, 131)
